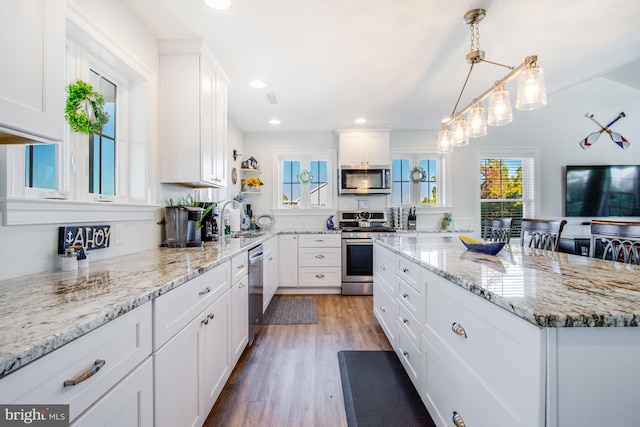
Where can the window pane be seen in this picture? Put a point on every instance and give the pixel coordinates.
(102, 146)
(40, 166)
(319, 186)
(290, 185)
(400, 188)
(428, 188)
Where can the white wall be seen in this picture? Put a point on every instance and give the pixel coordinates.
(554, 131)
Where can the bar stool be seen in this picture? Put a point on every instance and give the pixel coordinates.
(621, 239)
(498, 229)
(545, 233)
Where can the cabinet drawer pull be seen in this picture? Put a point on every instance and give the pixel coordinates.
(211, 315)
(405, 270)
(405, 320)
(241, 266)
(457, 420)
(241, 285)
(458, 329)
(383, 267)
(320, 276)
(319, 240)
(270, 258)
(382, 308)
(405, 295)
(97, 365)
(405, 352)
(319, 256)
(205, 291)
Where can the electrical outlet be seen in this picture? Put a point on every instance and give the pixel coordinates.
(119, 234)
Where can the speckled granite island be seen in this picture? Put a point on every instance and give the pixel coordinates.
(524, 338)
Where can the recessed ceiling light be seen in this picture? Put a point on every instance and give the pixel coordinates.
(218, 4)
(361, 121)
(274, 122)
(257, 84)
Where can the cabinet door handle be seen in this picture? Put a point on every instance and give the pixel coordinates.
(97, 365)
(205, 291)
(320, 276)
(405, 295)
(241, 266)
(319, 240)
(383, 267)
(382, 308)
(458, 329)
(241, 285)
(405, 270)
(319, 256)
(270, 258)
(457, 420)
(405, 352)
(211, 315)
(405, 320)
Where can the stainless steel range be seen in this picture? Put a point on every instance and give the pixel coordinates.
(359, 228)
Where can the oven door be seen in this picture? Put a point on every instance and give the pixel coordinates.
(357, 260)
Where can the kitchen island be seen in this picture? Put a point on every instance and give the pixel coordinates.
(527, 337)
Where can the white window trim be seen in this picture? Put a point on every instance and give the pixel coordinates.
(444, 176)
(24, 207)
(330, 156)
(484, 153)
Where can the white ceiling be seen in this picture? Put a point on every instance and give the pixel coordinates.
(400, 64)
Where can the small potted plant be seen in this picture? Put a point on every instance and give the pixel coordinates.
(251, 184)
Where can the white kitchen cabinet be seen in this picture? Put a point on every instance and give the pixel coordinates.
(193, 357)
(269, 271)
(288, 260)
(364, 148)
(32, 94)
(493, 359)
(113, 352)
(129, 403)
(319, 261)
(193, 116)
(239, 305)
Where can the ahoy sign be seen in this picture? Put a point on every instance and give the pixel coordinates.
(86, 236)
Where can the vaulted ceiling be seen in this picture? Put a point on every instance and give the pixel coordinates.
(399, 64)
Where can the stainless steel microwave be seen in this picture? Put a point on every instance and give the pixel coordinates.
(370, 180)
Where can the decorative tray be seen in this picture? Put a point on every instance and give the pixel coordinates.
(489, 248)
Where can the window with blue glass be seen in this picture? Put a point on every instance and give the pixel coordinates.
(305, 179)
(102, 146)
(40, 166)
(416, 179)
(290, 184)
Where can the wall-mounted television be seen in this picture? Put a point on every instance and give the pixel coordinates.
(602, 191)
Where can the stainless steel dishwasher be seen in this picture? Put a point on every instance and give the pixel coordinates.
(256, 256)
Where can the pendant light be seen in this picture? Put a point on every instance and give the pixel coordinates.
(476, 121)
(532, 93)
(444, 140)
(499, 112)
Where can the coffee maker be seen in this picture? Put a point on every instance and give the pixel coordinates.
(181, 226)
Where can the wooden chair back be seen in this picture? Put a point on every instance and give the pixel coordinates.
(498, 229)
(621, 240)
(542, 233)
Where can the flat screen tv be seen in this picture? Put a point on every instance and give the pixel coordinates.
(602, 191)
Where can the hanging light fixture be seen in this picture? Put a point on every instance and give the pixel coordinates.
(531, 91)
(444, 140)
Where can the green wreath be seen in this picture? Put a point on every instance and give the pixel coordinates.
(418, 175)
(305, 176)
(83, 109)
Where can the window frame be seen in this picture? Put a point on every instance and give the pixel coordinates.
(443, 177)
(530, 197)
(305, 157)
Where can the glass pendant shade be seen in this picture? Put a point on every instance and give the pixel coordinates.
(458, 132)
(499, 112)
(476, 122)
(532, 92)
(444, 140)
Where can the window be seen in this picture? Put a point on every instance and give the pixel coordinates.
(417, 179)
(304, 180)
(506, 188)
(102, 146)
(40, 166)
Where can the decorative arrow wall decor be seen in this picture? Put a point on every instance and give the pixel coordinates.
(615, 136)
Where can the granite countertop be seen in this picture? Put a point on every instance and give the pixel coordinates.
(41, 312)
(548, 289)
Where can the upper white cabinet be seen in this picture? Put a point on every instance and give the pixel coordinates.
(193, 116)
(32, 93)
(364, 148)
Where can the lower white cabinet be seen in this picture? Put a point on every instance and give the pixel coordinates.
(128, 404)
(269, 272)
(118, 353)
(239, 305)
(319, 261)
(192, 368)
(288, 261)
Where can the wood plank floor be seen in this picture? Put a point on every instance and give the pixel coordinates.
(290, 375)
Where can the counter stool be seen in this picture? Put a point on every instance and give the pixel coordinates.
(545, 233)
(621, 240)
(498, 229)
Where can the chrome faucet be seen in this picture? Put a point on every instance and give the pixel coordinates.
(222, 228)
